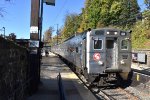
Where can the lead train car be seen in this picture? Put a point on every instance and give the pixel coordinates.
(99, 54)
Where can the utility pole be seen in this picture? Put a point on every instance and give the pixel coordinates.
(57, 33)
(3, 29)
(35, 40)
(41, 20)
(4, 32)
(34, 23)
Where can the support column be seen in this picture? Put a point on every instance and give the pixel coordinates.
(34, 46)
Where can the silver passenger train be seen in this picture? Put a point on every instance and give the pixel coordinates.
(99, 54)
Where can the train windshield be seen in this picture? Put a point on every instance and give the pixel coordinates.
(97, 44)
(124, 44)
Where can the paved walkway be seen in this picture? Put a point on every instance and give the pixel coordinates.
(48, 89)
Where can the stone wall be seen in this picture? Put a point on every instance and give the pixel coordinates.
(147, 52)
(14, 68)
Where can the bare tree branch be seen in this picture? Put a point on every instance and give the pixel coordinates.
(2, 9)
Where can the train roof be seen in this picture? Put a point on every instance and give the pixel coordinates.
(115, 29)
(107, 29)
(75, 35)
(84, 32)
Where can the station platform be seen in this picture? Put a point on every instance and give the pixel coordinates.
(141, 68)
(48, 89)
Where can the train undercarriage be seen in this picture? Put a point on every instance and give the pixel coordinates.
(105, 79)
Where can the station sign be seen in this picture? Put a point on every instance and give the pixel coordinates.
(33, 43)
(34, 29)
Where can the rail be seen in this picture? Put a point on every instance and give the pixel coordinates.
(61, 88)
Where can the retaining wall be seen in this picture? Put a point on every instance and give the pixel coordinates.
(14, 68)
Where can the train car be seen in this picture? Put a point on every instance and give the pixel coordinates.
(99, 54)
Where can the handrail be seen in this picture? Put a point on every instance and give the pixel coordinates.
(61, 88)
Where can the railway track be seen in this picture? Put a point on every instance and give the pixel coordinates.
(138, 90)
(95, 91)
(119, 94)
(110, 92)
(107, 92)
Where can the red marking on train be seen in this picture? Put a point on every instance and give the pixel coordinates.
(97, 56)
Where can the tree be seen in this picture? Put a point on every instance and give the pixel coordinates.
(1, 11)
(11, 36)
(90, 15)
(147, 3)
(101, 13)
(120, 12)
(94, 16)
(82, 21)
(71, 25)
(48, 34)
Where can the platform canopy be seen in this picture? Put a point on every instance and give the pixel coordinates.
(49, 2)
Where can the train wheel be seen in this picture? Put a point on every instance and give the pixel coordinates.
(85, 74)
(119, 80)
(78, 70)
(100, 82)
(124, 83)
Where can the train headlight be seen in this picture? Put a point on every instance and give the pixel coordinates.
(100, 62)
(108, 33)
(122, 62)
(123, 34)
(115, 33)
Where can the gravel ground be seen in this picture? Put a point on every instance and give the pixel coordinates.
(142, 91)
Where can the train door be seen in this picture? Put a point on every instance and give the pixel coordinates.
(111, 52)
(83, 54)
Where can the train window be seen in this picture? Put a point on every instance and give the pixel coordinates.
(97, 44)
(77, 50)
(124, 44)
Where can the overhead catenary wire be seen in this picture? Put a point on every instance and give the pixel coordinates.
(58, 14)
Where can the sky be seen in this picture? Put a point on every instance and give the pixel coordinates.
(16, 13)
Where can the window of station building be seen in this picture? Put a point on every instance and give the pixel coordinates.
(124, 44)
(97, 44)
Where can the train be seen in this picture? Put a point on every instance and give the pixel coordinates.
(99, 54)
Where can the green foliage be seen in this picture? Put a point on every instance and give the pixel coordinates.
(141, 34)
(147, 3)
(117, 13)
(71, 25)
(101, 13)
